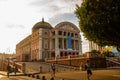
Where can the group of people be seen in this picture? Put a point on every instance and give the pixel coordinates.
(10, 70)
(86, 66)
(53, 68)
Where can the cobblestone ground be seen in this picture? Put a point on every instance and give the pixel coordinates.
(74, 75)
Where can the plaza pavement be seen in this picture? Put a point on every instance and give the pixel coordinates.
(113, 74)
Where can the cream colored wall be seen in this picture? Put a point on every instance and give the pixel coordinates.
(67, 28)
(40, 44)
(36, 45)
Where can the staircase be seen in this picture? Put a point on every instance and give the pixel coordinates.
(34, 67)
(113, 62)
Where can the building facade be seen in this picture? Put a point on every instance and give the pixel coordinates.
(93, 46)
(48, 42)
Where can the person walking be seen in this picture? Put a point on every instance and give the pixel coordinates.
(52, 78)
(8, 70)
(87, 67)
(53, 69)
(43, 78)
(40, 69)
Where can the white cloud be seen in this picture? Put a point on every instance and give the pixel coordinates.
(17, 17)
(15, 26)
(64, 17)
(54, 7)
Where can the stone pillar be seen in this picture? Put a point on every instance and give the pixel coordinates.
(74, 48)
(80, 45)
(66, 43)
(62, 43)
(50, 48)
(56, 44)
(40, 44)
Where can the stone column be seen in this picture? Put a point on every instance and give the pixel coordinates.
(66, 43)
(74, 45)
(50, 47)
(62, 43)
(40, 44)
(56, 44)
(80, 45)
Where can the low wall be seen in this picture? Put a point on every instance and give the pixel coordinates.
(4, 64)
(98, 62)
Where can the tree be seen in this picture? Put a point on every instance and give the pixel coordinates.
(95, 52)
(99, 20)
(109, 54)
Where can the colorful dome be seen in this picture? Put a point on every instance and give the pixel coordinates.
(41, 24)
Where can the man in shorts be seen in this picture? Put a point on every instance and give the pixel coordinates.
(87, 67)
(53, 69)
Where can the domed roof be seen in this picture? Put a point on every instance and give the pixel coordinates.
(41, 24)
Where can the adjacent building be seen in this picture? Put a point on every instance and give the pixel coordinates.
(88, 46)
(48, 42)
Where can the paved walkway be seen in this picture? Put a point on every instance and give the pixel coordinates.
(1, 76)
(46, 67)
(63, 72)
(73, 75)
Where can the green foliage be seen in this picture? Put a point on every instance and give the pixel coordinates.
(109, 54)
(118, 48)
(95, 52)
(99, 20)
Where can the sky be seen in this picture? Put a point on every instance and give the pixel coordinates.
(17, 17)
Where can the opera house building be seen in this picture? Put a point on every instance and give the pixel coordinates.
(47, 42)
